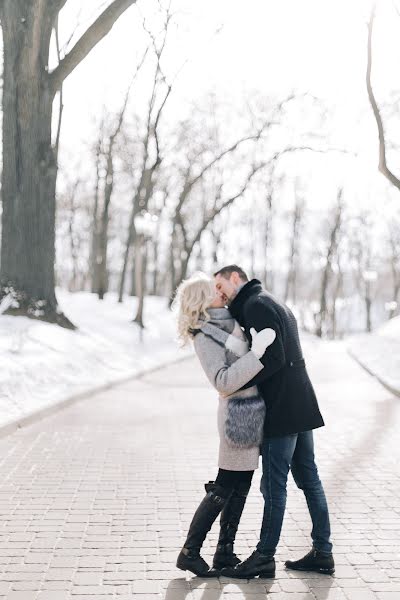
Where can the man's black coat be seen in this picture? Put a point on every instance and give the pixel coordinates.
(284, 383)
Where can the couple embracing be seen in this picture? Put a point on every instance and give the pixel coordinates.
(248, 345)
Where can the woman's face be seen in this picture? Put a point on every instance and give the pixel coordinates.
(219, 300)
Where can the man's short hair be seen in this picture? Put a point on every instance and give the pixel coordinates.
(227, 271)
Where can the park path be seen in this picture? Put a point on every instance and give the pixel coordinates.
(95, 500)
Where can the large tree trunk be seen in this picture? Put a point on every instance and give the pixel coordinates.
(29, 160)
(29, 163)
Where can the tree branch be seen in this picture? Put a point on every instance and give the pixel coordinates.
(382, 165)
(96, 32)
(216, 211)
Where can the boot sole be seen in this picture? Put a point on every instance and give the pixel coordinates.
(262, 575)
(219, 566)
(321, 570)
(206, 574)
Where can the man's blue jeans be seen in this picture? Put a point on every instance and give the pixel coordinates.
(279, 454)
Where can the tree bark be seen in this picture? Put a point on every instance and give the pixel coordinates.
(368, 306)
(29, 159)
(382, 164)
(321, 317)
(291, 280)
(103, 237)
(129, 241)
(394, 243)
(140, 277)
(94, 246)
(30, 163)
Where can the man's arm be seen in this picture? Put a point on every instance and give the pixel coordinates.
(227, 379)
(274, 359)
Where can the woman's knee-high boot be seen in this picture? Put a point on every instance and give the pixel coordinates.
(189, 558)
(230, 518)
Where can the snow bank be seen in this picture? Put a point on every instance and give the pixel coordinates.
(43, 364)
(379, 353)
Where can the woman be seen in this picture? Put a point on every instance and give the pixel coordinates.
(224, 354)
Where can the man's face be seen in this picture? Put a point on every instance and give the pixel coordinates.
(228, 287)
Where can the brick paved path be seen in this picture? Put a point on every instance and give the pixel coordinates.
(95, 501)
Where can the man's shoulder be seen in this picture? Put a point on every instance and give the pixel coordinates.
(263, 299)
(261, 304)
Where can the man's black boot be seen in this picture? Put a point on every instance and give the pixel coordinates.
(320, 562)
(189, 558)
(257, 565)
(225, 557)
(230, 517)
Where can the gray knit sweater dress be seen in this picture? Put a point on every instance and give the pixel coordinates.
(228, 369)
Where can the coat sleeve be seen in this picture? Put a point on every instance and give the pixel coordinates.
(261, 316)
(227, 379)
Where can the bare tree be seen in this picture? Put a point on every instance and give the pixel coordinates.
(187, 245)
(382, 164)
(363, 261)
(293, 268)
(102, 223)
(151, 158)
(394, 258)
(30, 159)
(191, 176)
(74, 246)
(331, 248)
(272, 184)
(73, 227)
(95, 233)
(336, 292)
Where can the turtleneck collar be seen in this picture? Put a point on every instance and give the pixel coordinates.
(249, 289)
(219, 314)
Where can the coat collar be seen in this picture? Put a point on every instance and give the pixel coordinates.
(251, 288)
(219, 314)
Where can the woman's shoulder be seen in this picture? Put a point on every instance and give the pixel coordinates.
(205, 343)
(198, 338)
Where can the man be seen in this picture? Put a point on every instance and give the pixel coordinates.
(292, 414)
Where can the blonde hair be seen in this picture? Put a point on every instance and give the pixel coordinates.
(193, 297)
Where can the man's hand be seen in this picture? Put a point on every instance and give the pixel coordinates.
(261, 340)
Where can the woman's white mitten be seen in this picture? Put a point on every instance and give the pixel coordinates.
(236, 345)
(261, 340)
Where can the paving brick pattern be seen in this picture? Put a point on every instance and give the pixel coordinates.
(95, 500)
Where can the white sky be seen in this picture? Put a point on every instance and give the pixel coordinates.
(268, 46)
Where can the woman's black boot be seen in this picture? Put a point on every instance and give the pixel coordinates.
(189, 558)
(230, 518)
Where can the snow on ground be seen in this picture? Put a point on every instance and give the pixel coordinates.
(379, 352)
(43, 364)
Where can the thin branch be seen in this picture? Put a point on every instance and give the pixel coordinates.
(159, 52)
(382, 165)
(73, 32)
(216, 211)
(156, 122)
(270, 163)
(92, 36)
(189, 184)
